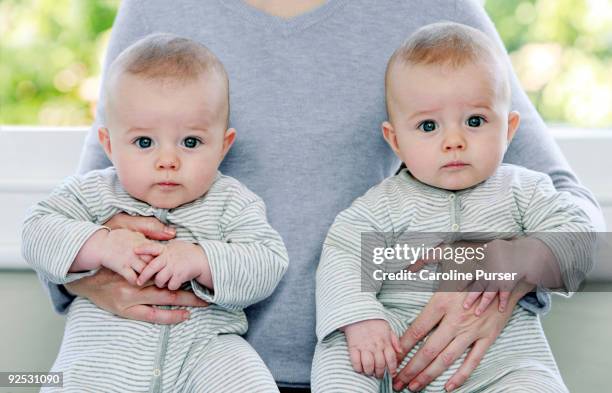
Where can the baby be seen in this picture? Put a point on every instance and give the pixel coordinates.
(166, 132)
(450, 121)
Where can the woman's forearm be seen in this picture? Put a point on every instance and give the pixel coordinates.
(542, 266)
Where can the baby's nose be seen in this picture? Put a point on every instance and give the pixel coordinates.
(454, 141)
(167, 160)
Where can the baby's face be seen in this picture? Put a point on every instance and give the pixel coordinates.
(451, 126)
(167, 138)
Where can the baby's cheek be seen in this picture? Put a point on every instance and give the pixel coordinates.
(203, 179)
(419, 168)
(134, 183)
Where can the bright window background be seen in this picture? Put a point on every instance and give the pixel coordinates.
(51, 51)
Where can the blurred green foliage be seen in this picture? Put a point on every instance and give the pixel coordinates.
(51, 51)
(562, 53)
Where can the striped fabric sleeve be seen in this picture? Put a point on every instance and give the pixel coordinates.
(552, 217)
(54, 231)
(340, 296)
(248, 263)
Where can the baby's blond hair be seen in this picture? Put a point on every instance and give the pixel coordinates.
(448, 44)
(165, 56)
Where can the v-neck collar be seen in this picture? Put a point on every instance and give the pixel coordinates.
(282, 25)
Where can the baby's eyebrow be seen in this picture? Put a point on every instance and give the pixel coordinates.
(202, 128)
(424, 112)
(481, 105)
(138, 129)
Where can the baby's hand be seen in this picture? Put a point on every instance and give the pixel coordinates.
(501, 258)
(118, 253)
(372, 347)
(174, 263)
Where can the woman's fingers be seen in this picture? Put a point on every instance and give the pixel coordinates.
(470, 363)
(441, 363)
(487, 298)
(422, 325)
(151, 227)
(504, 296)
(470, 299)
(416, 266)
(165, 297)
(156, 315)
(436, 342)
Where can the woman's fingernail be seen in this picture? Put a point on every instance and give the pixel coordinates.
(398, 386)
(414, 386)
(450, 387)
(169, 230)
(466, 306)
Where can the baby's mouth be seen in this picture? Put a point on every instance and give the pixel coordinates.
(168, 184)
(455, 165)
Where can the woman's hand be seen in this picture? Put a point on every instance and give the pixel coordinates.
(527, 259)
(457, 329)
(524, 259)
(112, 293)
(151, 227)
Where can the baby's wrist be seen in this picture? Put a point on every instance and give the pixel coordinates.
(105, 245)
(205, 275)
(91, 254)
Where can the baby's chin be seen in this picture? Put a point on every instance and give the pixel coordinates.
(166, 201)
(167, 197)
(455, 182)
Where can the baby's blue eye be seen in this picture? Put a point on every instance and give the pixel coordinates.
(428, 126)
(475, 121)
(191, 142)
(144, 142)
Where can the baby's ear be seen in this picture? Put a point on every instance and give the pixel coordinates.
(514, 119)
(228, 140)
(104, 138)
(390, 136)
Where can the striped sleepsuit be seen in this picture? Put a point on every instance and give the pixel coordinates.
(512, 202)
(102, 352)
